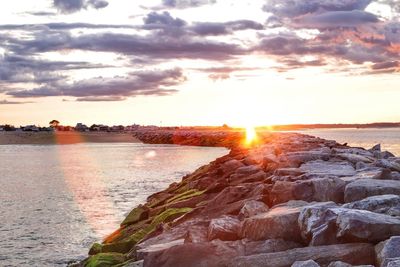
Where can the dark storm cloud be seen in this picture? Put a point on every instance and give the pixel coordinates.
(156, 82)
(71, 6)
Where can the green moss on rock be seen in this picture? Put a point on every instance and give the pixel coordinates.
(136, 215)
(186, 195)
(105, 260)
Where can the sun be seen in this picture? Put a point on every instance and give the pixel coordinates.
(251, 135)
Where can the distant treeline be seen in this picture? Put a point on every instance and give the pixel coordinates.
(328, 126)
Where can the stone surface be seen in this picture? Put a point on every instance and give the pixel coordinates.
(333, 168)
(280, 222)
(224, 228)
(387, 250)
(252, 208)
(364, 188)
(356, 253)
(309, 263)
(379, 204)
(344, 264)
(394, 262)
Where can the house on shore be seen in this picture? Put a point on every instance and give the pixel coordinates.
(80, 127)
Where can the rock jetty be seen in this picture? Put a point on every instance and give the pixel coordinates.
(289, 200)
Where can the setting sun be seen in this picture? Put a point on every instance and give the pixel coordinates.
(251, 135)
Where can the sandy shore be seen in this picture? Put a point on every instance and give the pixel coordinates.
(43, 138)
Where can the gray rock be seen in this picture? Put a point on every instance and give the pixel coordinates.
(289, 172)
(354, 158)
(364, 225)
(252, 208)
(385, 163)
(309, 263)
(364, 188)
(248, 170)
(356, 253)
(325, 225)
(387, 250)
(143, 252)
(379, 204)
(135, 264)
(317, 224)
(224, 228)
(394, 262)
(344, 264)
(319, 189)
(328, 168)
(231, 166)
(280, 222)
(376, 147)
(267, 246)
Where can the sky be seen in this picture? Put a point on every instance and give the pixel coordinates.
(199, 62)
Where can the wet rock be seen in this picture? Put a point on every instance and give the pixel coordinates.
(137, 214)
(280, 222)
(252, 208)
(379, 204)
(387, 250)
(357, 253)
(224, 228)
(328, 168)
(105, 259)
(364, 188)
(309, 263)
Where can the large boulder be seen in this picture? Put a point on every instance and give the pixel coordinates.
(385, 204)
(327, 225)
(252, 208)
(224, 228)
(280, 222)
(309, 263)
(364, 188)
(356, 253)
(328, 168)
(387, 250)
(318, 189)
(345, 264)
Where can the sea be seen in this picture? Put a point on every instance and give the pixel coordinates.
(56, 200)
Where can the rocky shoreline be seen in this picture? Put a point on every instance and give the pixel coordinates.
(288, 200)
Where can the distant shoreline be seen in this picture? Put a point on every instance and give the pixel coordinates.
(63, 138)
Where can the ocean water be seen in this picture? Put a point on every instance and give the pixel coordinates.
(55, 201)
(389, 138)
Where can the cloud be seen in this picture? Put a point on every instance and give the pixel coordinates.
(386, 65)
(182, 4)
(224, 28)
(295, 8)
(19, 69)
(154, 82)
(334, 19)
(71, 6)
(7, 102)
(61, 26)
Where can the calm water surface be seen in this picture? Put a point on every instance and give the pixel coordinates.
(389, 138)
(57, 200)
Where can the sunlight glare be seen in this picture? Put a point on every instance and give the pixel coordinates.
(251, 135)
